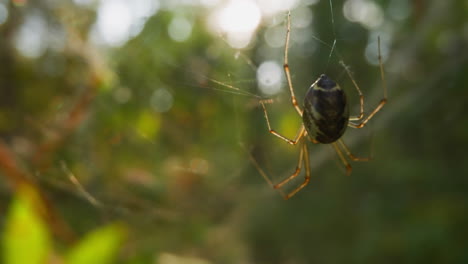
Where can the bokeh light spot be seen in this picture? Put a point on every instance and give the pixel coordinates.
(120, 20)
(180, 29)
(372, 52)
(30, 40)
(161, 100)
(275, 37)
(269, 77)
(367, 13)
(122, 95)
(3, 13)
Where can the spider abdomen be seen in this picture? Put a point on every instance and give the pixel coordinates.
(326, 114)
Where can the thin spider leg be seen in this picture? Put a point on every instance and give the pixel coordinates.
(299, 134)
(382, 73)
(296, 172)
(304, 152)
(262, 172)
(383, 101)
(307, 173)
(361, 96)
(342, 158)
(369, 117)
(286, 67)
(351, 155)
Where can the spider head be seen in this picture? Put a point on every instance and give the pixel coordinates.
(325, 83)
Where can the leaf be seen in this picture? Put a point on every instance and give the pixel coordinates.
(100, 246)
(26, 238)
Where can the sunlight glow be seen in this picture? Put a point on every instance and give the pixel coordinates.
(120, 20)
(114, 20)
(240, 16)
(238, 19)
(271, 7)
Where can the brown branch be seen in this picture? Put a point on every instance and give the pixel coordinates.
(76, 116)
(97, 71)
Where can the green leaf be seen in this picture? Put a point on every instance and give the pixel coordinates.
(100, 246)
(26, 238)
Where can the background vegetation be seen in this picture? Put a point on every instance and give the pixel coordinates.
(149, 140)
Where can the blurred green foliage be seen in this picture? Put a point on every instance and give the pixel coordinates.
(157, 134)
(25, 232)
(27, 239)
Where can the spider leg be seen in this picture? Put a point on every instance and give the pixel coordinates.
(369, 117)
(286, 67)
(296, 172)
(301, 131)
(303, 158)
(304, 153)
(307, 173)
(351, 155)
(294, 141)
(383, 101)
(342, 158)
(361, 96)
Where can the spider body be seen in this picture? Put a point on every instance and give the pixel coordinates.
(326, 113)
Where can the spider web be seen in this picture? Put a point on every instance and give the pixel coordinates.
(231, 173)
(183, 179)
(235, 86)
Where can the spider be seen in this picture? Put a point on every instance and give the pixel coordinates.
(325, 117)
